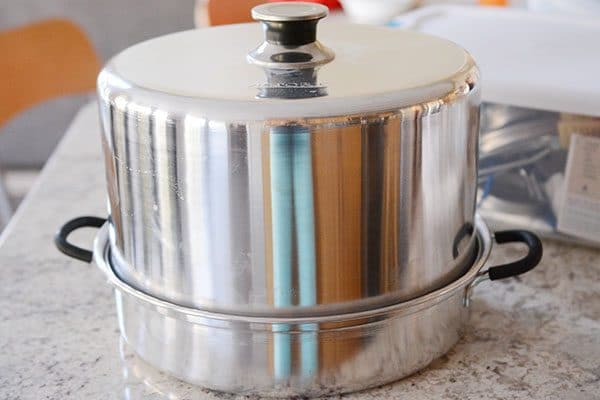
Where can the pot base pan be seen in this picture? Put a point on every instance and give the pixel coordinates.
(293, 356)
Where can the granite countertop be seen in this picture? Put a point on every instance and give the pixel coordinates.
(537, 336)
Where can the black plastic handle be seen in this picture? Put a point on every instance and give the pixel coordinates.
(527, 263)
(61, 242)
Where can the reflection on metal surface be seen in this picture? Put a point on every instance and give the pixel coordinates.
(140, 379)
(191, 204)
(301, 84)
(235, 353)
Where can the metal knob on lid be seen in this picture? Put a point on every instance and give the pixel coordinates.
(290, 36)
(290, 24)
(284, 11)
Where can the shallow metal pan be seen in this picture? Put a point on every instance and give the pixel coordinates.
(306, 356)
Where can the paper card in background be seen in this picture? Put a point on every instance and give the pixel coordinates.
(580, 211)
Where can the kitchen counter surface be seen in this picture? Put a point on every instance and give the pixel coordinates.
(537, 336)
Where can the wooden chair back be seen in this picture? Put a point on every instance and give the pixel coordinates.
(43, 60)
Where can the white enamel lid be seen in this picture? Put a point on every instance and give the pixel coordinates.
(207, 70)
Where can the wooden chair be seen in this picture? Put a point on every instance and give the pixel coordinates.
(38, 62)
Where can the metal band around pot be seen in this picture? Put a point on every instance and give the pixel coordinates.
(101, 249)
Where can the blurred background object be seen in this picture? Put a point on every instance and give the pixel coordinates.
(587, 8)
(42, 60)
(539, 161)
(375, 11)
(499, 3)
(221, 12)
(52, 50)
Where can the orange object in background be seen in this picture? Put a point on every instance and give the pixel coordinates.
(331, 4)
(497, 3)
(221, 12)
(44, 60)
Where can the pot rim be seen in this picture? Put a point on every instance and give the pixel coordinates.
(484, 237)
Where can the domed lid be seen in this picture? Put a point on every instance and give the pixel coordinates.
(280, 70)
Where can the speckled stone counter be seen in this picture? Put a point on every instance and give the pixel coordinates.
(533, 337)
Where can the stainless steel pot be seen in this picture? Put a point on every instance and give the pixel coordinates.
(291, 219)
(304, 356)
(302, 181)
